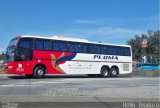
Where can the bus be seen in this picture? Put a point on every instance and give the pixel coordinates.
(36, 56)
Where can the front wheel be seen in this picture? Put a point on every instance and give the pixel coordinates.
(39, 72)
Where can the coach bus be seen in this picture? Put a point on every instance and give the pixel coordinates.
(35, 56)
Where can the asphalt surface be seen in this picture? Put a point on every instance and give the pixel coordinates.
(64, 88)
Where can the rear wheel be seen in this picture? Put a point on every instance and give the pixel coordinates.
(39, 72)
(104, 72)
(113, 72)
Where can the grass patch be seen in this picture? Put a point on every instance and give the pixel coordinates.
(146, 73)
(1, 70)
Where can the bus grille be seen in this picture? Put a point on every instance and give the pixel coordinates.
(125, 67)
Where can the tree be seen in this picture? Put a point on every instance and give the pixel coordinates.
(153, 50)
(136, 47)
(0, 56)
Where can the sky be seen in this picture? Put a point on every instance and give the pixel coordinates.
(108, 21)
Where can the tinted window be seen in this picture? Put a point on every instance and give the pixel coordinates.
(63, 46)
(103, 49)
(23, 54)
(116, 50)
(91, 49)
(77, 47)
(120, 51)
(111, 50)
(39, 44)
(127, 52)
(98, 49)
(59, 45)
(13, 42)
(55, 45)
(25, 43)
(84, 48)
(71, 47)
(47, 45)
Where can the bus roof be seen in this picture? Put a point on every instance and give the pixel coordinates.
(71, 39)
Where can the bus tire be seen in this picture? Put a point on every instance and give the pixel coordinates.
(28, 75)
(39, 72)
(114, 72)
(104, 72)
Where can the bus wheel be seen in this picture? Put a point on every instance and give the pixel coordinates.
(28, 75)
(104, 72)
(39, 72)
(113, 72)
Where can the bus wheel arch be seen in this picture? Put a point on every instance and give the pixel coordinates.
(39, 70)
(105, 71)
(114, 71)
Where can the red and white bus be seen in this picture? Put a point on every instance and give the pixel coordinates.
(35, 56)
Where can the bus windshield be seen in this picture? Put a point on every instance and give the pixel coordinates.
(9, 56)
(13, 42)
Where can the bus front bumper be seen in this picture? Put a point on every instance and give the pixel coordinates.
(7, 68)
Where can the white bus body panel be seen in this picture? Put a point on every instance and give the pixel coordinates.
(92, 63)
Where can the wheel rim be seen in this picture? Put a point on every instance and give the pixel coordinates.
(40, 72)
(105, 73)
(114, 72)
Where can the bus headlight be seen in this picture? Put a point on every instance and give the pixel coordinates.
(19, 65)
(10, 67)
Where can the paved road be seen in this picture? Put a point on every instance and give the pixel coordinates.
(79, 88)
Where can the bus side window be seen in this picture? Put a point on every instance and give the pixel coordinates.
(98, 49)
(106, 50)
(102, 49)
(112, 50)
(24, 50)
(71, 47)
(47, 45)
(127, 52)
(77, 47)
(91, 48)
(120, 51)
(62, 46)
(39, 44)
(84, 48)
(109, 50)
(25, 43)
(55, 45)
(115, 50)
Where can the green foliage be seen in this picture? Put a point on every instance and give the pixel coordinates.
(153, 50)
(1, 57)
